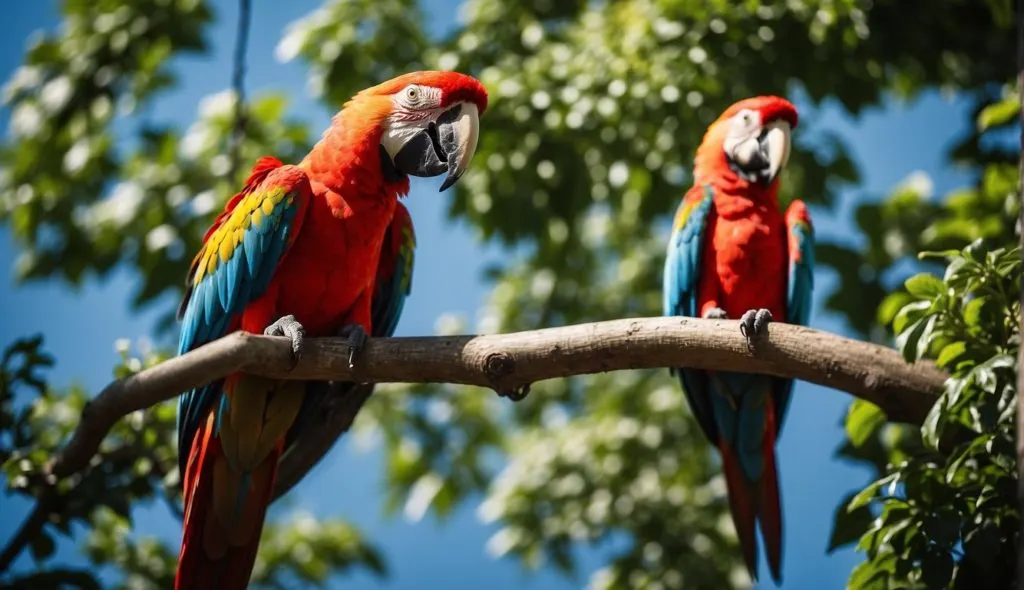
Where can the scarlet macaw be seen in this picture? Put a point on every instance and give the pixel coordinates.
(296, 252)
(733, 254)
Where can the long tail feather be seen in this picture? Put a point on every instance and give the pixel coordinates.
(770, 506)
(742, 498)
(224, 512)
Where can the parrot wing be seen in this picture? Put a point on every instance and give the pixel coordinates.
(800, 235)
(240, 254)
(394, 274)
(679, 289)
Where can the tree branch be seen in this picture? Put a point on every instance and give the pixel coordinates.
(505, 363)
(28, 530)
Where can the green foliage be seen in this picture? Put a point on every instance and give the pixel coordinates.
(82, 196)
(109, 59)
(596, 109)
(305, 553)
(946, 515)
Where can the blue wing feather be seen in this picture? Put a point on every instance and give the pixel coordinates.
(218, 297)
(798, 299)
(679, 294)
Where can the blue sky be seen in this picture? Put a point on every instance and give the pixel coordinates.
(81, 325)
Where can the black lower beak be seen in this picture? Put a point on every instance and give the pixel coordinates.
(429, 152)
(757, 169)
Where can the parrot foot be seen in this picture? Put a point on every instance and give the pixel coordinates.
(516, 394)
(357, 337)
(754, 324)
(289, 327)
(716, 313)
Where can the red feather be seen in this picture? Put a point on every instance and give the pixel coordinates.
(742, 497)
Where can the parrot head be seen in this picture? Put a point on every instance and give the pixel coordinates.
(428, 123)
(751, 139)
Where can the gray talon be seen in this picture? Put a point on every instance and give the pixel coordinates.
(357, 337)
(716, 313)
(762, 318)
(289, 327)
(754, 323)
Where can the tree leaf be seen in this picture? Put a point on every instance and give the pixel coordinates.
(925, 286)
(973, 311)
(931, 428)
(913, 341)
(848, 525)
(862, 420)
(865, 496)
(867, 577)
(951, 354)
(999, 113)
(927, 335)
(911, 312)
(891, 305)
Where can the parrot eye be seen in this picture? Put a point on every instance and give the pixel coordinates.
(412, 94)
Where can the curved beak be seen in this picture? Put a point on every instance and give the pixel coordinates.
(445, 145)
(775, 145)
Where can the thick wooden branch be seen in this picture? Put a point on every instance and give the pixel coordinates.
(508, 361)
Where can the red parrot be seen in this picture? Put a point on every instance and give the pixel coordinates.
(733, 254)
(296, 253)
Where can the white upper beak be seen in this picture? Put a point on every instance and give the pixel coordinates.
(467, 134)
(777, 142)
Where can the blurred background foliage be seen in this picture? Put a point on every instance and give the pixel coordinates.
(586, 148)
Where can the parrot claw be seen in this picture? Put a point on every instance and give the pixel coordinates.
(288, 326)
(516, 394)
(357, 337)
(754, 324)
(716, 313)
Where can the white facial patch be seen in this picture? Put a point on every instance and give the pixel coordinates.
(741, 143)
(414, 108)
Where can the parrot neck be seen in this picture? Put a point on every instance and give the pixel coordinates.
(347, 160)
(729, 185)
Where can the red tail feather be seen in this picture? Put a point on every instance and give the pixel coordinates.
(759, 501)
(214, 554)
(741, 504)
(770, 509)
